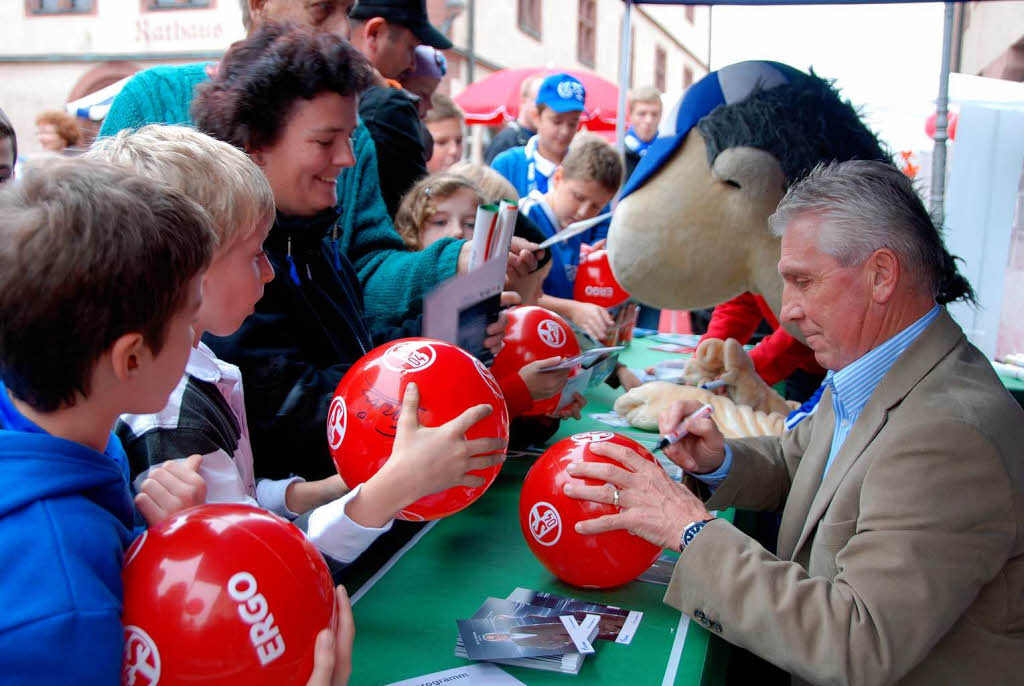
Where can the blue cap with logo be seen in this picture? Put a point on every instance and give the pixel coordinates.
(562, 93)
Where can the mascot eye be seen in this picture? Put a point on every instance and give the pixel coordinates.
(733, 183)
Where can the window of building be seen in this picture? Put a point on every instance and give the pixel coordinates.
(586, 32)
(659, 68)
(177, 4)
(60, 6)
(687, 77)
(691, 14)
(529, 17)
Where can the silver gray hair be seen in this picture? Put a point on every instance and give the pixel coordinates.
(865, 206)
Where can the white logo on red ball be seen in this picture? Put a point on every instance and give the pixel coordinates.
(599, 291)
(488, 378)
(337, 420)
(552, 333)
(545, 523)
(254, 610)
(141, 665)
(592, 436)
(409, 357)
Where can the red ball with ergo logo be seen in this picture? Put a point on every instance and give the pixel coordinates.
(595, 283)
(548, 518)
(532, 334)
(363, 417)
(223, 594)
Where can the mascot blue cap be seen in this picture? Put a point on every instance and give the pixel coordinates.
(727, 86)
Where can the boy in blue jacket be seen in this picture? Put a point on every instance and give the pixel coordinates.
(529, 168)
(581, 188)
(100, 274)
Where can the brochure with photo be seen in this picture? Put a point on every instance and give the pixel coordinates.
(460, 309)
(520, 634)
(616, 624)
(660, 572)
(575, 384)
(586, 359)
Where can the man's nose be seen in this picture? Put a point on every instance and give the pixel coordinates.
(790, 310)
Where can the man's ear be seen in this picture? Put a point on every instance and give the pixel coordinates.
(127, 356)
(884, 270)
(375, 31)
(257, 12)
(556, 178)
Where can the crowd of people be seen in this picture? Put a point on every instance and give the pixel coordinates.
(257, 200)
(179, 302)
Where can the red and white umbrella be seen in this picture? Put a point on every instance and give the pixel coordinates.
(494, 99)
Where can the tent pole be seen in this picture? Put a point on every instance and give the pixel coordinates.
(471, 44)
(627, 47)
(938, 190)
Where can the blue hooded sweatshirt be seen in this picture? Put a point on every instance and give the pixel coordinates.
(66, 517)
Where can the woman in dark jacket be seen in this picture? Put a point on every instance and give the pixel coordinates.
(288, 97)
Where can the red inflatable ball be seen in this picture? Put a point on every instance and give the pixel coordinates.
(223, 594)
(534, 333)
(548, 518)
(595, 283)
(363, 416)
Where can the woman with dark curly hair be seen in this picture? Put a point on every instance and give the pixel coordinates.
(288, 97)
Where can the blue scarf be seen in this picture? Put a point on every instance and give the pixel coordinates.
(634, 143)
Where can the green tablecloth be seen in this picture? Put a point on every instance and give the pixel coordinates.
(405, 616)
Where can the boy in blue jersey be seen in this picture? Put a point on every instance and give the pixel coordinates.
(100, 282)
(559, 105)
(581, 187)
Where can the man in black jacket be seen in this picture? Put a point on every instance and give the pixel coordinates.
(387, 33)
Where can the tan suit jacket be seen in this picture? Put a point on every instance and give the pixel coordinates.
(905, 564)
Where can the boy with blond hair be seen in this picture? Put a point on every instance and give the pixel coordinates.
(100, 284)
(643, 112)
(206, 412)
(581, 187)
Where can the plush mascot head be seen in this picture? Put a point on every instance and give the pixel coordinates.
(692, 228)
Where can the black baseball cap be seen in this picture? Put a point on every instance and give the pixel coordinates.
(412, 14)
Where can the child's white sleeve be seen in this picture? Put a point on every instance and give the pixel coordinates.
(270, 494)
(333, 531)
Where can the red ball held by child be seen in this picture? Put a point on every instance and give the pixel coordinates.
(548, 518)
(363, 417)
(595, 283)
(534, 333)
(223, 594)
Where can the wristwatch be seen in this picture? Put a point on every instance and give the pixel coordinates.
(691, 530)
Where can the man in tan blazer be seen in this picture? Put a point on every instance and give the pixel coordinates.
(901, 549)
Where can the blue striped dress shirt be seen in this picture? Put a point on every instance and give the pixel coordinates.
(853, 385)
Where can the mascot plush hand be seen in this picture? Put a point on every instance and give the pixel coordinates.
(691, 229)
(715, 359)
(641, 407)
